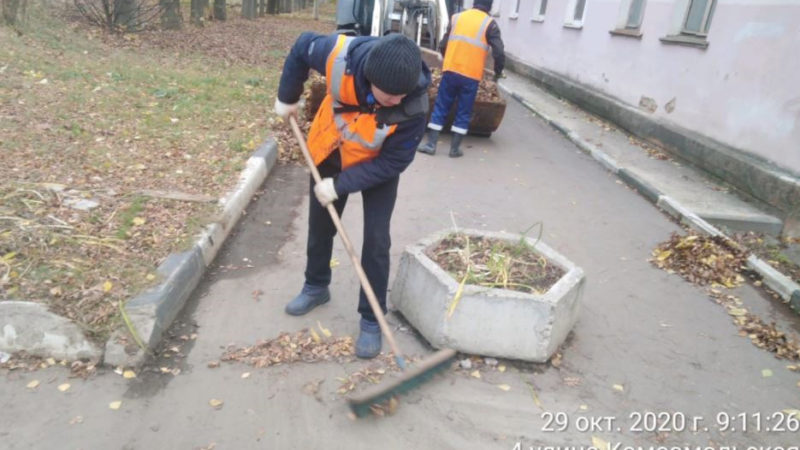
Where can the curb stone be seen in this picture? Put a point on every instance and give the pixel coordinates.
(788, 290)
(153, 311)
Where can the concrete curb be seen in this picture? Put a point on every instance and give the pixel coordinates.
(152, 312)
(788, 290)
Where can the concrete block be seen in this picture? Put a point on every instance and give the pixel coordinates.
(31, 327)
(490, 322)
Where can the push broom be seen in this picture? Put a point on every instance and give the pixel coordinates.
(411, 377)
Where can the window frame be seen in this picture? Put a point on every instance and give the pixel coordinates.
(538, 13)
(623, 26)
(705, 23)
(515, 13)
(572, 8)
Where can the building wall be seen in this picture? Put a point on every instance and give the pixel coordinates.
(742, 90)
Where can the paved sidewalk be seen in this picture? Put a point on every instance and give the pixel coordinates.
(708, 198)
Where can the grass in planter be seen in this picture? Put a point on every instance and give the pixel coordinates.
(495, 263)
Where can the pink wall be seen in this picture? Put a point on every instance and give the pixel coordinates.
(743, 90)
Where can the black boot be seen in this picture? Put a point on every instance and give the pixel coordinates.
(455, 152)
(429, 148)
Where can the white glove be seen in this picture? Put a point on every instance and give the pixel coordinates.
(325, 192)
(285, 109)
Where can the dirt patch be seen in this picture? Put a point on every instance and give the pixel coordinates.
(495, 263)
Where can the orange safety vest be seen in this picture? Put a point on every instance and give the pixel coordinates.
(356, 134)
(467, 46)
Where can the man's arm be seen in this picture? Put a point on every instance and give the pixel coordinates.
(396, 154)
(443, 42)
(496, 43)
(310, 51)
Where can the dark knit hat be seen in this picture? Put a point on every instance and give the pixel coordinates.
(394, 64)
(484, 5)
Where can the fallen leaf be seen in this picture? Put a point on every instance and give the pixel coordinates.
(584, 407)
(51, 362)
(737, 311)
(504, 387)
(501, 368)
(324, 330)
(63, 387)
(215, 403)
(766, 373)
(128, 374)
(139, 221)
(793, 412)
(213, 364)
(600, 444)
(315, 336)
(33, 384)
(334, 262)
(107, 286)
(476, 374)
(76, 419)
(619, 387)
(115, 405)
(246, 375)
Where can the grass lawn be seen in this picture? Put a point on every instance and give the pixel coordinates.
(115, 124)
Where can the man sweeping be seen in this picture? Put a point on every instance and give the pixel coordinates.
(465, 45)
(364, 135)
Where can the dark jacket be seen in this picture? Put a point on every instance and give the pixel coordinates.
(492, 37)
(311, 51)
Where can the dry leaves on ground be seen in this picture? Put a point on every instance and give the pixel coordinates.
(702, 260)
(292, 347)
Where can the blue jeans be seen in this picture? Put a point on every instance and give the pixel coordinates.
(454, 87)
(378, 207)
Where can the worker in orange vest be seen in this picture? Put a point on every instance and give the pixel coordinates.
(465, 45)
(364, 135)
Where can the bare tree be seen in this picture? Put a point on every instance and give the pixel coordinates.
(220, 11)
(171, 19)
(199, 11)
(249, 9)
(121, 15)
(14, 11)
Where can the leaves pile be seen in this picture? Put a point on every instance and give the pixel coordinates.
(495, 263)
(302, 346)
(487, 89)
(373, 373)
(702, 260)
(761, 334)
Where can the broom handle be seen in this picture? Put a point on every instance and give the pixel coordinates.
(373, 300)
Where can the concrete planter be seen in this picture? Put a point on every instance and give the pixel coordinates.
(487, 321)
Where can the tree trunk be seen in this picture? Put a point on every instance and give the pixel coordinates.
(262, 7)
(199, 8)
(272, 6)
(10, 11)
(220, 10)
(249, 9)
(125, 14)
(316, 9)
(171, 19)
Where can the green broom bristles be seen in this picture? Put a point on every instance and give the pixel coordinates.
(414, 377)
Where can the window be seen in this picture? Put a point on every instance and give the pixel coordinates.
(698, 17)
(629, 18)
(515, 13)
(576, 10)
(635, 15)
(539, 8)
(690, 23)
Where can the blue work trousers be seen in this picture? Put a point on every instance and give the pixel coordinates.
(454, 87)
